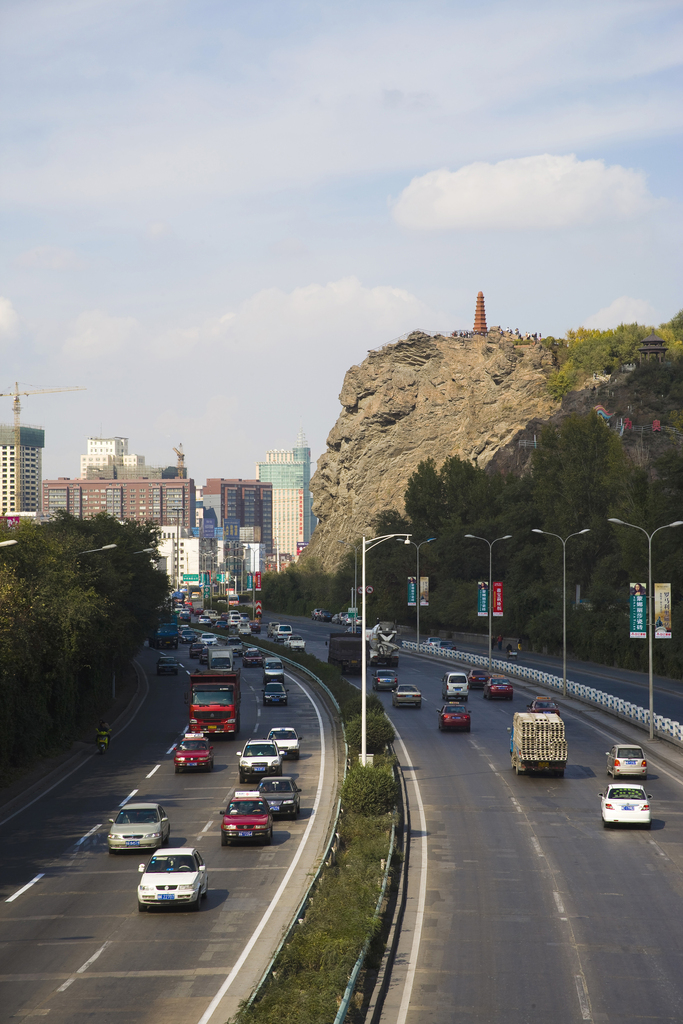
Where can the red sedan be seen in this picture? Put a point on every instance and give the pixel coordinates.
(247, 817)
(543, 706)
(498, 688)
(454, 716)
(477, 678)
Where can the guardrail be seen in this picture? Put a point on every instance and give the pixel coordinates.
(665, 728)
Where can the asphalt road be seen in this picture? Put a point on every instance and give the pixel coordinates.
(73, 943)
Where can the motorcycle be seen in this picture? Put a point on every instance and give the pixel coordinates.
(102, 744)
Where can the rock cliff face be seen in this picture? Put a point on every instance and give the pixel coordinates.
(418, 398)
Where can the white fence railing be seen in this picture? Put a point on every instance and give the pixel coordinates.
(664, 727)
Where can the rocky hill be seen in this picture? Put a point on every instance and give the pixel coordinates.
(419, 397)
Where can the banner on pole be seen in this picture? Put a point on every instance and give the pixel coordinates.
(412, 592)
(257, 581)
(638, 602)
(483, 599)
(497, 599)
(250, 581)
(662, 611)
(424, 591)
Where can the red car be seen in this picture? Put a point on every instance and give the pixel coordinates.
(477, 678)
(193, 751)
(247, 817)
(498, 688)
(454, 716)
(543, 706)
(252, 658)
(255, 627)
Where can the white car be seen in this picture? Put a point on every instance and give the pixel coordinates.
(625, 759)
(173, 877)
(287, 741)
(204, 620)
(208, 639)
(244, 629)
(295, 643)
(258, 759)
(625, 805)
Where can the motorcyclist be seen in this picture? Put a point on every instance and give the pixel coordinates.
(103, 733)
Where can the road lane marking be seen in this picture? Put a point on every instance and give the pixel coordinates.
(87, 834)
(492, 767)
(213, 1005)
(537, 847)
(11, 899)
(155, 769)
(559, 904)
(582, 993)
(207, 827)
(126, 799)
(93, 958)
(516, 804)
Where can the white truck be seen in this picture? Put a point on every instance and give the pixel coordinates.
(537, 744)
(221, 658)
(382, 651)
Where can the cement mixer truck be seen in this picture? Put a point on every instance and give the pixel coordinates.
(382, 651)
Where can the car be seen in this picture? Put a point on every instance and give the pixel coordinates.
(210, 639)
(177, 877)
(384, 679)
(498, 688)
(187, 636)
(195, 649)
(273, 670)
(204, 620)
(255, 627)
(282, 634)
(167, 666)
(275, 693)
(625, 805)
(247, 817)
(322, 615)
(138, 826)
(244, 629)
(447, 645)
(455, 686)
(193, 751)
(252, 658)
(204, 656)
(235, 644)
(543, 706)
(295, 643)
(406, 693)
(287, 740)
(454, 716)
(272, 629)
(282, 796)
(624, 759)
(477, 678)
(259, 758)
(433, 641)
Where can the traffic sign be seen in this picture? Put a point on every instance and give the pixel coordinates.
(352, 613)
(190, 577)
(259, 609)
(369, 590)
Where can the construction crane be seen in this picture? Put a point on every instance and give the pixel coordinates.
(182, 475)
(16, 405)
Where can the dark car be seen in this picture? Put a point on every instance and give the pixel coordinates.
(454, 716)
(275, 693)
(252, 658)
(385, 679)
(255, 627)
(322, 615)
(543, 706)
(282, 796)
(447, 645)
(195, 649)
(498, 688)
(477, 678)
(187, 636)
(167, 666)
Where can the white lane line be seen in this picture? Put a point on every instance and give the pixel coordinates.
(537, 847)
(421, 898)
(83, 838)
(516, 804)
(492, 767)
(64, 987)
(14, 896)
(130, 795)
(155, 769)
(188, 672)
(207, 827)
(657, 848)
(213, 1005)
(93, 958)
(583, 997)
(559, 904)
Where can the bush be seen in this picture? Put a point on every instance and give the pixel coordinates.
(379, 732)
(352, 707)
(369, 790)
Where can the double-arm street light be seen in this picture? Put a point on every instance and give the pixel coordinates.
(355, 579)
(564, 598)
(490, 543)
(651, 608)
(368, 545)
(417, 580)
(92, 551)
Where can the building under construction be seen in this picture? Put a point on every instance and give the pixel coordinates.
(31, 468)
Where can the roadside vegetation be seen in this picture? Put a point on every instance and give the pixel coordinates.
(67, 620)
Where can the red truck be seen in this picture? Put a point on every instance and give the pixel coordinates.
(214, 702)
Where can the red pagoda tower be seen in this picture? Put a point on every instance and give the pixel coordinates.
(480, 316)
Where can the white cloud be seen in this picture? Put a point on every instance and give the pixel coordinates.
(49, 257)
(9, 318)
(96, 335)
(531, 192)
(623, 310)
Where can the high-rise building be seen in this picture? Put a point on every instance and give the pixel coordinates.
(240, 504)
(289, 472)
(31, 468)
(144, 499)
(107, 454)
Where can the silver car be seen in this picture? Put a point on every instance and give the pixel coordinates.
(139, 827)
(406, 693)
(626, 759)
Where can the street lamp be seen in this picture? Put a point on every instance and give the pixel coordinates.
(355, 578)
(144, 551)
(92, 551)
(7, 543)
(368, 545)
(650, 597)
(564, 598)
(417, 588)
(490, 543)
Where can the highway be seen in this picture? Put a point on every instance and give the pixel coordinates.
(73, 943)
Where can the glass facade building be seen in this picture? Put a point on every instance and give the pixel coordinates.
(289, 473)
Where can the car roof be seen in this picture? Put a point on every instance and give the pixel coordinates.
(140, 806)
(171, 851)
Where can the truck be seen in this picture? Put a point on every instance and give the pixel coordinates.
(383, 652)
(214, 702)
(537, 744)
(164, 637)
(344, 649)
(221, 659)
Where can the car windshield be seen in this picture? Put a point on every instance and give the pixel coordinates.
(251, 652)
(282, 734)
(271, 663)
(166, 661)
(625, 793)
(407, 689)
(276, 786)
(544, 704)
(247, 807)
(629, 752)
(172, 862)
(275, 688)
(193, 745)
(260, 750)
(137, 816)
(222, 697)
(296, 637)
(454, 709)
(458, 680)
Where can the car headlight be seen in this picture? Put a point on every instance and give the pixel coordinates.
(154, 835)
(114, 835)
(274, 764)
(146, 888)
(186, 888)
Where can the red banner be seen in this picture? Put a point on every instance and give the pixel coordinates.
(497, 599)
(257, 581)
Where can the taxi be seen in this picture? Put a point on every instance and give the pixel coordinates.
(193, 752)
(247, 818)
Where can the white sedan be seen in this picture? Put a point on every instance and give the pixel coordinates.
(173, 877)
(625, 805)
(287, 741)
(208, 639)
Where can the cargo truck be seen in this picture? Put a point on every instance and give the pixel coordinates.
(165, 637)
(214, 702)
(221, 659)
(344, 649)
(537, 744)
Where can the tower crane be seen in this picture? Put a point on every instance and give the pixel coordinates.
(16, 405)
(181, 462)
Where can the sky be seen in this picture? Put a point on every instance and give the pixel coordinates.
(211, 210)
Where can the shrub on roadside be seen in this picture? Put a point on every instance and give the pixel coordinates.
(379, 732)
(368, 790)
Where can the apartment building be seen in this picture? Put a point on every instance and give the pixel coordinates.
(144, 499)
(31, 469)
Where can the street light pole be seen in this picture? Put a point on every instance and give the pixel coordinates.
(564, 598)
(355, 579)
(417, 582)
(368, 545)
(490, 543)
(650, 609)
